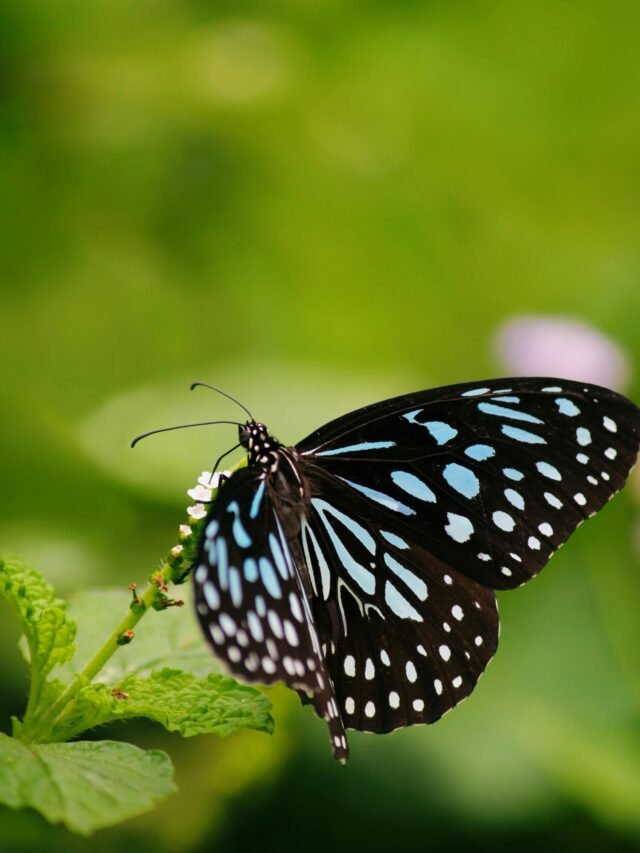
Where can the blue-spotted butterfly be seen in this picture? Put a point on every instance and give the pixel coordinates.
(359, 566)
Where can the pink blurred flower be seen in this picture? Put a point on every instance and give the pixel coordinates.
(563, 347)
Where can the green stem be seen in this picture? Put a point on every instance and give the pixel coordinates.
(39, 730)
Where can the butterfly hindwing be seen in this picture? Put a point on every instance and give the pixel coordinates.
(406, 636)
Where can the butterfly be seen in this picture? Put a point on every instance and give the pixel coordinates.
(360, 565)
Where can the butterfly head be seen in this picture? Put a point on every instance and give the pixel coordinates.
(262, 446)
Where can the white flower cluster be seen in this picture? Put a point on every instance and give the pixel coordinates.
(201, 494)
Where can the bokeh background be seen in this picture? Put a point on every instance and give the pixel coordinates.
(315, 205)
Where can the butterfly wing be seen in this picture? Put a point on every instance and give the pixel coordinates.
(250, 600)
(405, 635)
(422, 505)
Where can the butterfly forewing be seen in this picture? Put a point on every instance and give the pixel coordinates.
(250, 600)
(491, 479)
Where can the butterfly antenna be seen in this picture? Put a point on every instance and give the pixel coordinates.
(224, 394)
(181, 426)
(219, 460)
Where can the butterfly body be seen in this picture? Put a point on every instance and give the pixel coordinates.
(359, 566)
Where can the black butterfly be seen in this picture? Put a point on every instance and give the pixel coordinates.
(359, 566)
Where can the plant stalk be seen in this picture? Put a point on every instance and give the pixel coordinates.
(39, 730)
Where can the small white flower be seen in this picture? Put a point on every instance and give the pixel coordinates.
(176, 550)
(196, 512)
(205, 479)
(200, 493)
(185, 531)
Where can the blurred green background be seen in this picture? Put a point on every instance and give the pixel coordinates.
(314, 205)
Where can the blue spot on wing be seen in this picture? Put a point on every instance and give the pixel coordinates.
(250, 569)
(567, 407)
(480, 452)
(462, 480)
(413, 485)
(549, 471)
(269, 578)
(513, 474)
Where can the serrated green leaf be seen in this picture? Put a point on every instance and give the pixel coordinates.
(183, 703)
(85, 785)
(177, 700)
(49, 633)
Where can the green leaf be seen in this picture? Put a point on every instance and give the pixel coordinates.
(85, 785)
(177, 700)
(48, 632)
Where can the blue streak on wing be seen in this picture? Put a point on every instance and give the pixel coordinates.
(503, 411)
(257, 500)
(357, 448)
(522, 435)
(399, 604)
(415, 584)
(362, 576)
(278, 556)
(380, 497)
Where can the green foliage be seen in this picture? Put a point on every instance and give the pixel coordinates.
(48, 633)
(177, 700)
(164, 674)
(86, 785)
